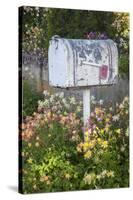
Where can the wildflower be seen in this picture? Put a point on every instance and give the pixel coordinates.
(44, 178)
(23, 126)
(37, 138)
(67, 176)
(29, 144)
(97, 111)
(122, 149)
(110, 109)
(88, 154)
(102, 131)
(126, 99)
(104, 144)
(92, 98)
(127, 132)
(30, 160)
(104, 173)
(79, 147)
(34, 187)
(107, 120)
(48, 182)
(45, 93)
(22, 154)
(37, 144)
(110, 174)
(101, 102)
(115, 118)
(85, 146)
(72, 100)
(92, 114)
(118, 131)
(90, 178)
(99, 140)
(61, 94)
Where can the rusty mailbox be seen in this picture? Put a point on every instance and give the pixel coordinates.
(82, 62)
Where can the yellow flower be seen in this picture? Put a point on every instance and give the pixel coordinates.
(102, 131)
(37, 138)
(22, 154)
(48, 182)
(67, 176)
(79, 147)
(86, 133)
(37, 144)
(30, 160)
(97, 111)
(88, 154)
(29, 144)
(34, 186)
(110, 174)
(104, 144)
(107, 119)
(99, 140)
(118, 131)
(49, 114)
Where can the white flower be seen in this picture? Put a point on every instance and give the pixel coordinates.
(92, 98)
(46, 93)
(101, 102)
(122, 149)
(115, 118)
(51, 98)
(61, 95)
(72, 100)
(94, 102)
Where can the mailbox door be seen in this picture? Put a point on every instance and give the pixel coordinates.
(57, 64)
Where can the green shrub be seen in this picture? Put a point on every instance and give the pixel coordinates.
(30, 98)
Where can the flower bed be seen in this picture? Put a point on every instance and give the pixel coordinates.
(57, 156)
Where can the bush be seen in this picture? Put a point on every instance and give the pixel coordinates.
(30, 98)
(56, 157)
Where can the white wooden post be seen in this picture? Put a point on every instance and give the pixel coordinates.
(86, 105)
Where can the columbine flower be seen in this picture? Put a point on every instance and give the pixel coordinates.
(61, 94)
(110, 174)
(88, 154)
(67, 176)
(37, 144)
(89, 178)
(45, 93)
(104, 144)
(115, 118)
(101, 102)
(30, 160)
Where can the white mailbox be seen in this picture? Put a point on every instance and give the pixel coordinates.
(79, 63)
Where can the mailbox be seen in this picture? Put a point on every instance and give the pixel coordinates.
(82, 62)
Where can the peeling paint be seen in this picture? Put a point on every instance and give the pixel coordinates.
(82, 62)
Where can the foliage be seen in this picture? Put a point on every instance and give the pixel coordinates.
(106, 143)
(56, 157)
(40, 24)
(30, 98)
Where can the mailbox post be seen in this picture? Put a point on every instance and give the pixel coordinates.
(82, 64)
(86, 105)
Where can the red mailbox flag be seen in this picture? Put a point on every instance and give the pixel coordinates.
(103, 72)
